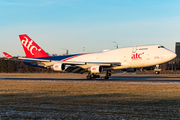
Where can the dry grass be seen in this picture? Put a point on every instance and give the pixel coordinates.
(93, 100)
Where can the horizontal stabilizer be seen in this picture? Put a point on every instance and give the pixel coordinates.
(6, 54)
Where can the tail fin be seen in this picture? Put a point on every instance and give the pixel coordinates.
(6, 54)
(31, 49)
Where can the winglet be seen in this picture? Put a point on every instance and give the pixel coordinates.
(31, 49)
(6, 54)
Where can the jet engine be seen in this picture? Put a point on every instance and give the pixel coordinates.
(96, 69)
(58, 67)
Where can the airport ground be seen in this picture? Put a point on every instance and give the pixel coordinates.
(122, 97)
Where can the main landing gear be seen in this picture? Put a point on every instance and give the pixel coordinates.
(94, 75)
(108, 73)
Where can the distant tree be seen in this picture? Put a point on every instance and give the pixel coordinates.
(54, 54)
(163, 66)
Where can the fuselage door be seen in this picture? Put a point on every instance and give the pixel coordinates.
(134, 49)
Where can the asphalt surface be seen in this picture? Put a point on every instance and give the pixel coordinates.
(152, 78)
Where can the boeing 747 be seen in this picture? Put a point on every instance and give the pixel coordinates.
(129, 58)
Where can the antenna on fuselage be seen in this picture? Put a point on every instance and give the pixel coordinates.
(67, 51)
(83, 49)
(116, 44)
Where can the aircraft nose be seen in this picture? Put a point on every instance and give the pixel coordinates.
(174, 55)
(170, 55)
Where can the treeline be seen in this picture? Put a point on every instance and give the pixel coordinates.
(7, 66)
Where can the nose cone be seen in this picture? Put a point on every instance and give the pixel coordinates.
(174, 55)
(169, 55)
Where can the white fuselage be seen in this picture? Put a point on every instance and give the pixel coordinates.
(130, 57)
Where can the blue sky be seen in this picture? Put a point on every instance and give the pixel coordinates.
(57, 25)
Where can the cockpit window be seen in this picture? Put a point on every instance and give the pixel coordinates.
(161, 47)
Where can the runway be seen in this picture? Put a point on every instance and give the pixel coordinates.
(115, 78)
(67, 96)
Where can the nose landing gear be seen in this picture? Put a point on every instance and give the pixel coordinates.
(157, 70)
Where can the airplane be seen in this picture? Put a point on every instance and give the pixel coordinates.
(127, 58)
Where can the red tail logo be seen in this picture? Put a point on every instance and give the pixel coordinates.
(31, 49)
(29, 46)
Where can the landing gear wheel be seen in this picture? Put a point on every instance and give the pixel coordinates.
(97, 76)
(89, 77)
(107, 75)
(157, 72)
(92, 76)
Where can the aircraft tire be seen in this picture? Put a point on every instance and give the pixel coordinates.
(98, 76)
(157, 72)
(89, 77)
(106, 77)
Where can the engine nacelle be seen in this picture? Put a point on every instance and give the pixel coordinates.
(58, 67)
(131, 70)
(96, 69)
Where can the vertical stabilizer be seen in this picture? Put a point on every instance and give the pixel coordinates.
(31, 49)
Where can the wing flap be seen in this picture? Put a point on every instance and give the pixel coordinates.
(106, 63)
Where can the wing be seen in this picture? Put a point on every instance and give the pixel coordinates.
(71, 66)
(72, 62)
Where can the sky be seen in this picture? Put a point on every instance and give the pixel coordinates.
(57, 25)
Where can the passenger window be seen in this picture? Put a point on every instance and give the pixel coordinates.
(143, 48)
